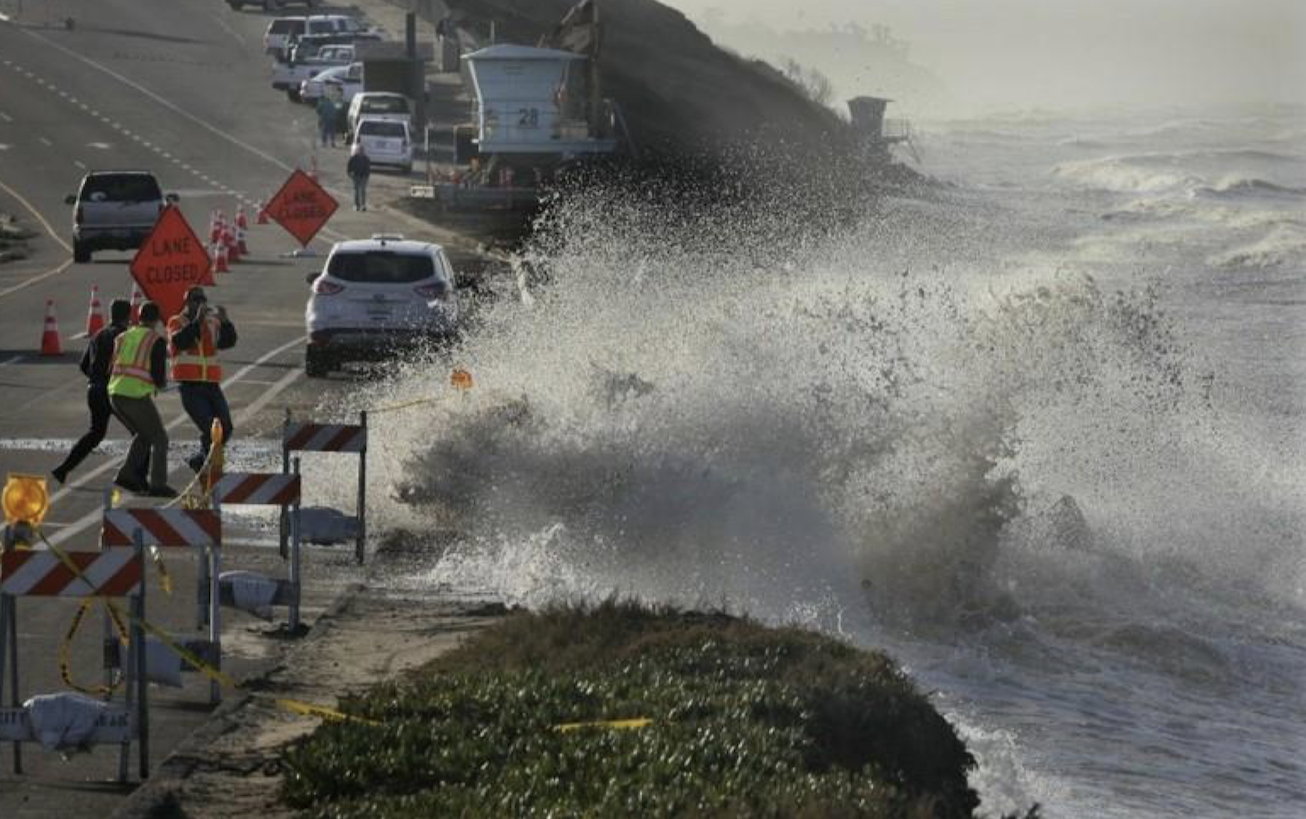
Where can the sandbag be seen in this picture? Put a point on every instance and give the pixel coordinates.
(250, 592)
(65, 721)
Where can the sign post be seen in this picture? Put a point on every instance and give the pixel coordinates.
(172, 260)
(302, 207)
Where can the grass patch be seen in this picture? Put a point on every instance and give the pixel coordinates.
(747, 721)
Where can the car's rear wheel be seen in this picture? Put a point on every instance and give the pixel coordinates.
(81, 253)
(316, 363)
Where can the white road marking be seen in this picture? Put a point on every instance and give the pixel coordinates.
(13, 360)
(91, 519)
(6, 117)
(4, 147)
(47, 143)
(79, 164)
(99, 146)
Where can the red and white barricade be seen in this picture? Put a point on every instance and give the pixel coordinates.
(200, 529)
(115, 572)
(347, 438)
(268, 489)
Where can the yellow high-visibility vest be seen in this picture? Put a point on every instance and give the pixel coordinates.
(130, 376)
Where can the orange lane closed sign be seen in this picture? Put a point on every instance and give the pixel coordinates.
(302, 207)
(172, 260)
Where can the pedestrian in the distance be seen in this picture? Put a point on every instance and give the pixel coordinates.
(194, 337)
(326, 120)
(140, 369)
(359, 169)
(96, 361)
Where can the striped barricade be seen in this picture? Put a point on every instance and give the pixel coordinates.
(200, 529)
(113, 572)
(268, 489)
(347, 438)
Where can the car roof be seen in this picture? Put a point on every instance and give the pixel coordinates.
(120, 173)
(409, 246)
(373, 94)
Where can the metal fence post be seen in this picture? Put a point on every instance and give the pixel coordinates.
(362, 492)
(295, 545)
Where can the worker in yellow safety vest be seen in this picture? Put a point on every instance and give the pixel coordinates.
(139, 370)
(194, 337)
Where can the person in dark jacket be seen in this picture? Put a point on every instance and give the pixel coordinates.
(139, 370)
(359, 169)
(95, 364)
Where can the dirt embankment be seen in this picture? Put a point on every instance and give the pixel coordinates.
(13, 239)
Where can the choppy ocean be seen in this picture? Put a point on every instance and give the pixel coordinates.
(1039, 435)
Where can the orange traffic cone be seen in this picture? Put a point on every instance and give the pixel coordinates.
(50, 341)
(241, 224)
(94, 314)
(262, 214)
(220, 260)
(229, 239)
(136, 299)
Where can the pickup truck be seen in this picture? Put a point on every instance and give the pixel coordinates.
(288, 76)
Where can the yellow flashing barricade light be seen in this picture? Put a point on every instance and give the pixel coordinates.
(26, 500)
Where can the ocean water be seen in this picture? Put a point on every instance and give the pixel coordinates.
(1039, 435)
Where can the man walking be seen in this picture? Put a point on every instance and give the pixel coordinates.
(326, 119)
(140, 362)
(194, 337)
(359, 169)
(96, 361)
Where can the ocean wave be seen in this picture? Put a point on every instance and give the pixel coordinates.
(1242, 187)
(1283, 247)
(1125, 174)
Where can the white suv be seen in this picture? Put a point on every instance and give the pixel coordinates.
(375, 296)
(378, 105)
(385, 142)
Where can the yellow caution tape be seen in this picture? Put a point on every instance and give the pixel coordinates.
(638, 722)
(65, 652)
(214, 674)
(310, 710)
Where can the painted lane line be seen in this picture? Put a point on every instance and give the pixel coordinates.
(91, 519)
(13, 360)
(36, 215)
(79, 164)
(37, 278)
(47, 143)
(6, 117)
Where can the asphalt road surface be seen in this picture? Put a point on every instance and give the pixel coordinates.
(177, 87)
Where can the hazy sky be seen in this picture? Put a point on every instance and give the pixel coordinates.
(1077, 53)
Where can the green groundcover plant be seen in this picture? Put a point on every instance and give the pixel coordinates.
(745, 721)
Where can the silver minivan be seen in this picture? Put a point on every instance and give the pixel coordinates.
(115, 210)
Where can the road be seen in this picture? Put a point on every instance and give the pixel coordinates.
(177, 87)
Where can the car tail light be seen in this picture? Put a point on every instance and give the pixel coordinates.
(439, 291)
(79, 215)
(322, 287)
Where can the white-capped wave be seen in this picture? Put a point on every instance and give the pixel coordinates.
(1284, 246)
(1126, 175)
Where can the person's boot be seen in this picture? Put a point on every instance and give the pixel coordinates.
(60, 474)
(162, 492)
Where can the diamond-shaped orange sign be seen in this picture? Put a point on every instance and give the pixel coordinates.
(172, 260)
(302, 207)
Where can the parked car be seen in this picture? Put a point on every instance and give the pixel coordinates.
(377, 295)
(115, 210)
(347, 79)
(385, 142)
(378, 105)
(270, 5)
(281, 33)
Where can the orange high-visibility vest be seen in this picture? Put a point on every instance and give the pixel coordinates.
(199, 363)
(130, 376)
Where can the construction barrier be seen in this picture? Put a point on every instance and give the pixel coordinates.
(114, 572)
(347, 438)
(268, 489)
(200, 529)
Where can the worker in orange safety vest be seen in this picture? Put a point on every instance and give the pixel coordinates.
(194, 337)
